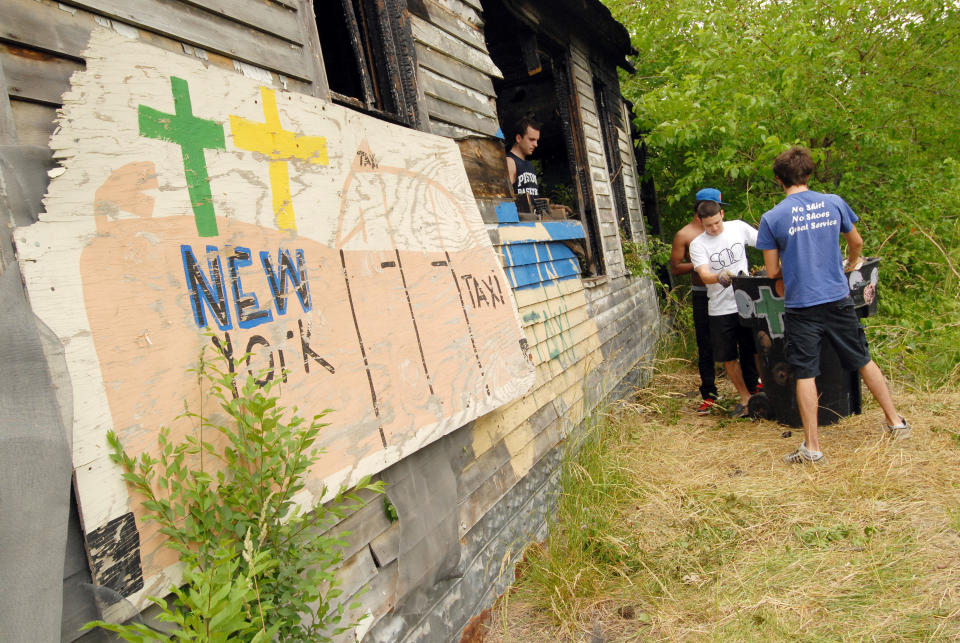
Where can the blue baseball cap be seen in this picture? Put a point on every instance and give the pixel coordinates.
(710, 194)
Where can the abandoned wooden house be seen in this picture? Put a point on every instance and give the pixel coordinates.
(322, 187)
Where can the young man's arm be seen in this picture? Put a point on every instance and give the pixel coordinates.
(677, 265)
(854, 245)
(771, 261)
(708, 276)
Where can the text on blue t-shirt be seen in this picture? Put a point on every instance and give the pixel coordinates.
(805, 227)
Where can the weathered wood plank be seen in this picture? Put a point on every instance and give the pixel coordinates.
(578, 56)
(355, 571)
(597, 161)
(35, 75)
(269, 17)
(34, 122)
(469, 12)
(560, 323)
(486, 167)
(386, 546)
(487, 462)
(46, 26)
(454, 115)
(573, 307)
(8, 128)
(594, 146)
(441, 128)
(444, 65)
(368, 606)
(611, 315)
(364, 525)
(194, 26)
(639, 324)
(489, 431)
(529, 447)
(624, 350)
(455, 93)
(558, 354)
(452, 24)
(474, 3)
(559, 290)
(435, 37)
(591, 129)
(588, 104)
(583, 79)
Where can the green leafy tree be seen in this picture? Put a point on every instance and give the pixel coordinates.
(723, 86)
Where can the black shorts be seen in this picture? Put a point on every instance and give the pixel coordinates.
(726, 334)
(836, 321)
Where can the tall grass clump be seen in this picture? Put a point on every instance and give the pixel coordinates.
(589, 543)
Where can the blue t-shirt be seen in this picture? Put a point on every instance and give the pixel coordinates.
(805, 227)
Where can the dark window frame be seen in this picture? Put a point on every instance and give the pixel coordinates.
(568, 100)
(379, 77)
(610, 117)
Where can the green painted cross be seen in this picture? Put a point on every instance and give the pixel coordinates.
(771, 307)
(193, 135)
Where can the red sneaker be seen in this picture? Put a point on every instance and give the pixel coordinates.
(706, 407)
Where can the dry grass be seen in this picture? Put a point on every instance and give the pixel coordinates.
(677, 527)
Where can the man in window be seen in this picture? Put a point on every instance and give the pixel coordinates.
(523, 178)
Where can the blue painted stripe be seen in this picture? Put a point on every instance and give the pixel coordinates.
(545, 283)
(554, 230)
(561, 251)
(507, 212)
(542, 272)
(559, 230)
(520, 254)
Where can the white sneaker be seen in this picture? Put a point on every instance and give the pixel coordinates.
(803, 455)
(899, 431)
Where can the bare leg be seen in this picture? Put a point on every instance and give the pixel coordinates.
(807, 403)
(735, 375)
(873, 378)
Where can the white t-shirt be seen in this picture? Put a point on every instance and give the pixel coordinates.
(727, 250)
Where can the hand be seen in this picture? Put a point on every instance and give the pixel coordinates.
(856, 266)
(725, 278)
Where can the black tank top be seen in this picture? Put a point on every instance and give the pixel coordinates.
(526, 176)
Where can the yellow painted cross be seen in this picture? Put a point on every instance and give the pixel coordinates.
(280, 146)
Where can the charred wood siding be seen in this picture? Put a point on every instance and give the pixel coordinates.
(455, 68)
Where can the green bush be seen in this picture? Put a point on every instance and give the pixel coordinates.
(255, 568)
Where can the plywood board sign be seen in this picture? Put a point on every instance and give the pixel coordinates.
(343, 250)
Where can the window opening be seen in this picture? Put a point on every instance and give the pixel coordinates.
(368, 57)
(610, 119)
(538, 82)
